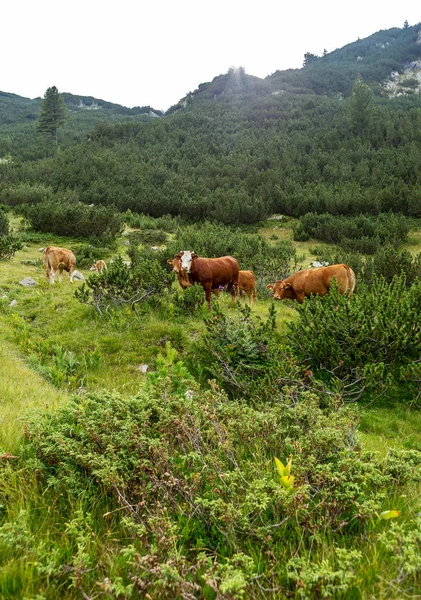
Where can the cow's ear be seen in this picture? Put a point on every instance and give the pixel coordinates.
(287, 285)
(194, 256)
(169, 261)
(177, 255)
(269, 286)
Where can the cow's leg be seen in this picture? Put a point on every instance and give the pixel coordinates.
(71, 275)
(234, 289)
(208, 292)
(52, 276)
(60, 274)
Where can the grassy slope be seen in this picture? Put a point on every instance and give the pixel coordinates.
(53, 314)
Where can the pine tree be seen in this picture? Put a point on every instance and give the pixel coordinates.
(53, 113)
(361, 103)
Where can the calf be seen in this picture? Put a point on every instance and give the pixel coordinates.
(99, 266)
(247, 284)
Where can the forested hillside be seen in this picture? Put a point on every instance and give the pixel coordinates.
(324, 138)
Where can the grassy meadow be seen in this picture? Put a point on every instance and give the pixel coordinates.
(122, 482)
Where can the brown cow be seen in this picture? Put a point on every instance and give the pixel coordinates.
(58, 259)
(314, 281)
(211, 273)
(182, 276)
(98, 266)
(246, 280)
(247, 284)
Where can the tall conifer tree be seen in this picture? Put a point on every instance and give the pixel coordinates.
(53, 113)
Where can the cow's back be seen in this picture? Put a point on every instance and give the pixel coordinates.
(217, 271)
(318, 281)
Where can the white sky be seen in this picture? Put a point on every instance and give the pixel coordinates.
(138, 53)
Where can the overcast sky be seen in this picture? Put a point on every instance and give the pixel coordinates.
(138, 53)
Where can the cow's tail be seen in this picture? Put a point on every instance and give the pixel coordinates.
(351, 280)
(46, 260)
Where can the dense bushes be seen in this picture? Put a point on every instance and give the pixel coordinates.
(8, 244)
(362, 234)
(203, 508)
(242, 353)
(373, 340)
(124, 285)
(73, 219)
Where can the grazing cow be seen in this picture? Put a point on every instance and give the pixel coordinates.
(99, 266)
(247, 285)
(314, 281)
(58, 259)
(211, 273)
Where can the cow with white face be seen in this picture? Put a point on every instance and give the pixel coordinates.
(186, 260)
(211, 273)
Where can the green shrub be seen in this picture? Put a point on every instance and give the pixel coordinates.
(8, 246)
(88, 254)
(241, 353)
(363, 341)
(73, 219)
(4, 224)
(363, 234)
(27, 193)
(148, 236)
(124, 285)
(191, 470)
(166, 223)
(189, 300)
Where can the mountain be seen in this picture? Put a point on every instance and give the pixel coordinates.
(376, 58)
(340, 135)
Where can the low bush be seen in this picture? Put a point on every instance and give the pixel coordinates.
(204, 509)
(362, 233)
(73, 219)
(124, 285)
(4, 224)
(241, 352)
(27, 193)
(368, 341)
(9, 246)
(148, 236)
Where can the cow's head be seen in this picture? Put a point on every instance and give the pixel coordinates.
(175, 262)
(279, 289)
(187, 257)
(93, 267)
